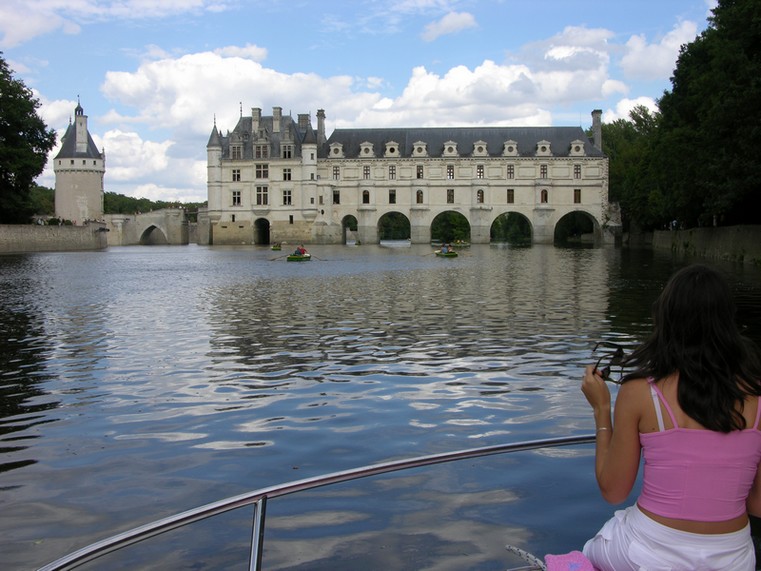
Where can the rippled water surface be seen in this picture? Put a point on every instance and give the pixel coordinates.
(143, 381)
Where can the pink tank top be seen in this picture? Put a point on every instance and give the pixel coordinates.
(699, 475)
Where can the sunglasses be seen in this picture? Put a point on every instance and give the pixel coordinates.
(613, 360)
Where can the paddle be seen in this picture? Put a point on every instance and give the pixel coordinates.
(283, 256)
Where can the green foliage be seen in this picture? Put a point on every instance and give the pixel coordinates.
(114, 203)
(450, 227)
(42, 200)
(393, 226)
(25, 142)
(511, 228)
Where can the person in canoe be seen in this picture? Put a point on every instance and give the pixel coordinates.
(300, 251)
(445, 248)
(691, 408)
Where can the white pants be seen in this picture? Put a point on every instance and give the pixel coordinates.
(632, 541)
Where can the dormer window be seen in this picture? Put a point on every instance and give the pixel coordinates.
(480, 149)
(392, 149)
(366, 150)
(577, 148)
(450, 149)
(543, 149)
(420, 149)
(510, 149)
(336, 151)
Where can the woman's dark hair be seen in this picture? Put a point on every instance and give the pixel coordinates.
(695, 334)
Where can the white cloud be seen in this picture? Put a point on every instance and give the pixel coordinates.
(249, 51)
(451, 23)
(22, 20)
(656, 60)
(625, 106)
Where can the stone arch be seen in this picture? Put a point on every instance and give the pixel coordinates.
(577, 227)
(261, 231)
(450, 226)
(153, 236)
(511, 228)
(394, 226)
(349, 225)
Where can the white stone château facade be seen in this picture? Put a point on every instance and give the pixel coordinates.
(79, 171)
(273, 179)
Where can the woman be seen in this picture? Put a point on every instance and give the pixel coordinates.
(691, 407)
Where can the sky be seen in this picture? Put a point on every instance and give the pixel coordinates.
(153, 76)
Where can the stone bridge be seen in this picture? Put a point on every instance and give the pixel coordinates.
(168, 226)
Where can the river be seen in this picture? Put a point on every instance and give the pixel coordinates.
(142, 381)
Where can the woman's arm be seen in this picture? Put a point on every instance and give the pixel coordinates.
(617, 452)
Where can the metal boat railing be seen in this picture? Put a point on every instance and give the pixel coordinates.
(258, 499)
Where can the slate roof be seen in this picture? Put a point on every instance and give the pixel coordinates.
(242, 134)
(69, 146)
(560, 139)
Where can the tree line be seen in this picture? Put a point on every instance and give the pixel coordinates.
(693, 162)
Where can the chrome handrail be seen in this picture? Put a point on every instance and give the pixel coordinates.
(258, 498)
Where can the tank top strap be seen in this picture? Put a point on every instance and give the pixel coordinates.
(758, 412)
(656, 391)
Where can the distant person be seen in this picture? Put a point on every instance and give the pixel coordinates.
(691, 408)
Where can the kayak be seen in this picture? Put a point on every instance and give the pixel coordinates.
(299, 257)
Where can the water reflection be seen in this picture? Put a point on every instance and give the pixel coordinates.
(142, 381)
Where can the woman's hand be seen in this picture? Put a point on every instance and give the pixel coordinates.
(595, 389)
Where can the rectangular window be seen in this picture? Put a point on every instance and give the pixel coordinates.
(576, 171)
(262, 170)
(290, 219)
(286, 174)
(392, 196)
(236, 197)
(391, 172)
(450, 172)
(236, 175)
(543, 171)
(322, 200)
(262, 152)
(510, 195)
(577, 196)
(287, 151)
(366, 172)
(479, 171)
(287, 198)
(365, 197)
(450, 196)
(510, 171)
(236, 152)
(261, 196)
(336, 173)
(420, 171)
(336, 197)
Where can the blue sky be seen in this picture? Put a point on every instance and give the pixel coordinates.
(152, 75)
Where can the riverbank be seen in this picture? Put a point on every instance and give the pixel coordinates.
(23, 238)
(741, 244)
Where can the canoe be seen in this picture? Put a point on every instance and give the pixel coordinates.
(276, 248)
(446, 254)
(299, 258)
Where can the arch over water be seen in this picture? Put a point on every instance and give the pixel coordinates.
(511, 228)
(450, 226)
(261, 231)
(394, 226)
(577, 227)
(349, 228)
(153, 236)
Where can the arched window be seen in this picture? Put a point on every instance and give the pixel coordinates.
(480, 196)
(365, 197)
(419, 197)
(544, 197)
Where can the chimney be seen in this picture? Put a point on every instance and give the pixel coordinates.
(303, 121)
(320, 126)
(256, 117)
(597, 128)
(277, 115)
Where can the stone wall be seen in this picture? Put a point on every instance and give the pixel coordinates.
(19, 238)
(734, 243)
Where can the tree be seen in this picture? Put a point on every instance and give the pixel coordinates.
(707, 147)
(25, 142)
